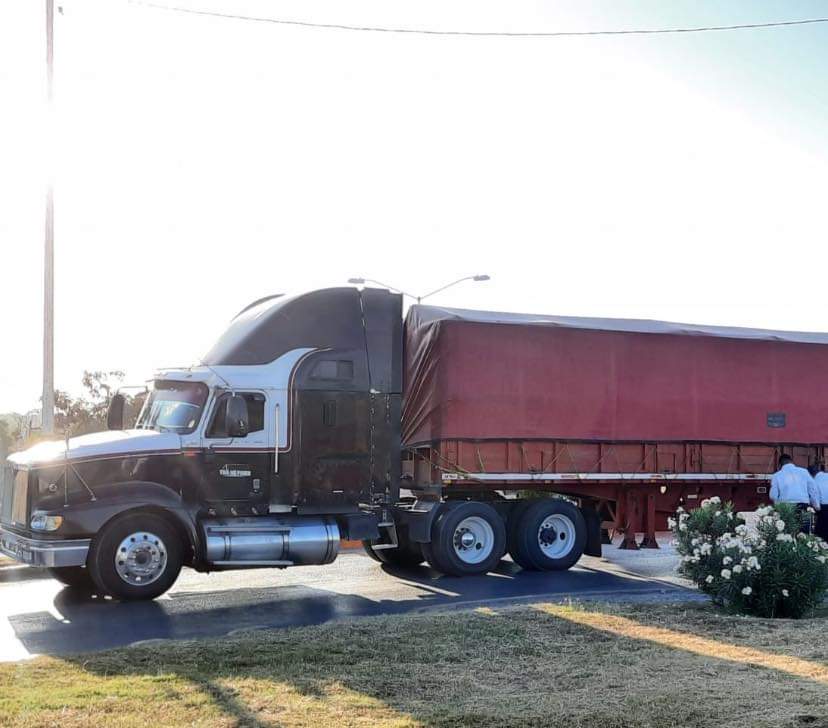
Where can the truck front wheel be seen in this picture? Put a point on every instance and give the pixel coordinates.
(136, 557)
(547, 535)
(466, 538)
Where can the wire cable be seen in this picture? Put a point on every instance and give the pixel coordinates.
(477, 33)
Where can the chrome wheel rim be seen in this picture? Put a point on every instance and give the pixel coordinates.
(473, 540)
(556, 536)
(141, 558)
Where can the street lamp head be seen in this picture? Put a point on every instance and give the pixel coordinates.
(356, 281)
(483, 277)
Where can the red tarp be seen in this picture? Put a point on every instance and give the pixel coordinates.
(480, 375)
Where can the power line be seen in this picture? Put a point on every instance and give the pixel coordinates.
(478, 33)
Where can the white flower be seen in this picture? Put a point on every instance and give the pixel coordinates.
(763, 511)
(706, 548)
(725, 573)
(747, 591)
(726, 560)
(682, 527)
(811, 510)
(780, 525)
(784, 537)
(821, 559)
(753, 563)
(671, 523)
(717, 513)
(742, 530)
(785, 593)
(716, 500)
(709, 579)
(737, 569)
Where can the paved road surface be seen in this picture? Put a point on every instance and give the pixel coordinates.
(40, 616)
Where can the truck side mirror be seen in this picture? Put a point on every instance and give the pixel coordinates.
(33, 421)
(237, 422)
(115, 412)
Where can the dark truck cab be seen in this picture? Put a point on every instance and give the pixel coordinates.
(283, 442)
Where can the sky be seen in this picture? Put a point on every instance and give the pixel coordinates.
(201, 163)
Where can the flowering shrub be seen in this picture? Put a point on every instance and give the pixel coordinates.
(770, 571)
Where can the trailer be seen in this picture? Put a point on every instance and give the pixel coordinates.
(454, 437)
(631, 418)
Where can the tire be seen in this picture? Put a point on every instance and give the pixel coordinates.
(369, 549)
(152, 557)
(513, 529)
(401, 556)
(548, 535)
(407, 554)
(466, 538)
(75, 576)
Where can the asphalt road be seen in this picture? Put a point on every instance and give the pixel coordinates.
(40, 616)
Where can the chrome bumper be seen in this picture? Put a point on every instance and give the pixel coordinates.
(35, 552)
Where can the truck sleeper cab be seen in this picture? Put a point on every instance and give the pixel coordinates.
(284, 441)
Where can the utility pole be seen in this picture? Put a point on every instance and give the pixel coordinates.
(48, 400)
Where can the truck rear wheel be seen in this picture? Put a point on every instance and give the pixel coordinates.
(75, 576)
(136, 557)
(547, 535)
(466, 538)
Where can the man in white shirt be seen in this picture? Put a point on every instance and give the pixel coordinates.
(792, 484)
(821, 482)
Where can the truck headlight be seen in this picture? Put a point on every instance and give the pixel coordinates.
(43, 522)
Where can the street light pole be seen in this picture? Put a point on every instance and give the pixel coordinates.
(48, 398)
(453, 283)
(363, 281)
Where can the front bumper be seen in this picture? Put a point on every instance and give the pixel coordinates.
(40, 552)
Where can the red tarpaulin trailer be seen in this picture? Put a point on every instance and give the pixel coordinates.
(638, 416)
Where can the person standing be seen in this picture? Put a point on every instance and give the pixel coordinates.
(792, 484)
(821, 481)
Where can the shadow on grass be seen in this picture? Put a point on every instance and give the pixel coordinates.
(548, 665)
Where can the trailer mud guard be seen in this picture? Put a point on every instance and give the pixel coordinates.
(593, 526)
(419, 519)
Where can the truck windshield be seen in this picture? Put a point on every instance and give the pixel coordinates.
(173, 407)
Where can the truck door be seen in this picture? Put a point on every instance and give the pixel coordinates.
(333, 425)
(236, 475)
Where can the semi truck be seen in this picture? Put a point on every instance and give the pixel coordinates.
(452, 437)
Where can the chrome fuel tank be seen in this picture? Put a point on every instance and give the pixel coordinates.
(271, 541)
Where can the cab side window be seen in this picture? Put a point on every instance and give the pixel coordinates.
(255, 413)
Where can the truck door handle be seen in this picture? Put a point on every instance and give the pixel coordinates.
(329, 413)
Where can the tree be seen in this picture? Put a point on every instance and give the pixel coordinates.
(87, 413)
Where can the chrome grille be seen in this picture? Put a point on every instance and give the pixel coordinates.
(6, 492)
(20, 500)
(14, 487)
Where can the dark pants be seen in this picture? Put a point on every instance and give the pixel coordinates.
(821, 529)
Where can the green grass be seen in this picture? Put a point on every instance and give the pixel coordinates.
(542, 665)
